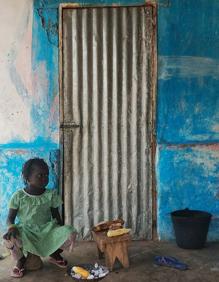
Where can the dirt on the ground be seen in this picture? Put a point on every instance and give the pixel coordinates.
(203, 264)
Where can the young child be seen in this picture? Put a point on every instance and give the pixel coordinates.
(40, 230)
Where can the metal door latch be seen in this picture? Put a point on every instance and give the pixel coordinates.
(69, 125)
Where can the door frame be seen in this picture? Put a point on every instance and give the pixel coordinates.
(152, 122)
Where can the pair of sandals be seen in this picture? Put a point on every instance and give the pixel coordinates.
(171, 262)
(19, 272)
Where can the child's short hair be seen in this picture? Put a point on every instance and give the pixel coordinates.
(28, 167)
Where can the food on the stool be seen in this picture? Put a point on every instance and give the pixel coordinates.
(105, 225)
(118, 232)
(80, 270)
(115, 226)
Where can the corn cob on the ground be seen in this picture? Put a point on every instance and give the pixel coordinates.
(80, 270)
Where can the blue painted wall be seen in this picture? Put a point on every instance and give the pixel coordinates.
(187, 114)
(187, 108)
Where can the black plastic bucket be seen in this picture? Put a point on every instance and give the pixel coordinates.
(191, 228)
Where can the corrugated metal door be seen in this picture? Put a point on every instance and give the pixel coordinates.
(107, 117)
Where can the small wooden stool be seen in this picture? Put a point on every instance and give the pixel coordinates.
(33, 262)
(112, 247)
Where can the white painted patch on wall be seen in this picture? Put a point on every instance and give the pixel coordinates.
(187, 67)
(206, 159)
(15, 70)
(215, 127)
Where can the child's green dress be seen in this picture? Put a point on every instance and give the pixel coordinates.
(40, 234)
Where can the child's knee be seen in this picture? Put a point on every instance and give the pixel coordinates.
(12, 243)
(5, 236)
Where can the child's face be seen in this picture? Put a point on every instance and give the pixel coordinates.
(39, 177)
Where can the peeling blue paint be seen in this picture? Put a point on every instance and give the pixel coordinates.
(187, 111)
(37, 143)
(45, 53)
(50, 24)
(188, 178)
(188, 66)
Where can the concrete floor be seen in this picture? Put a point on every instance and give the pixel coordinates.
(204, 264)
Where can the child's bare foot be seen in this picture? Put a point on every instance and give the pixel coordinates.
(18, 270)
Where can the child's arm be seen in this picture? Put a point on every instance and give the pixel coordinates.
(12, 230)
(56, 215)
(11, 216)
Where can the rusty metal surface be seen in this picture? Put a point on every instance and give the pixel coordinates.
(107, 92)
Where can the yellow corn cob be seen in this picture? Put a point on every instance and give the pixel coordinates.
(117, 232)
(80, 270)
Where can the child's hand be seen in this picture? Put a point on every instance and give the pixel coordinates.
(12, 232)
